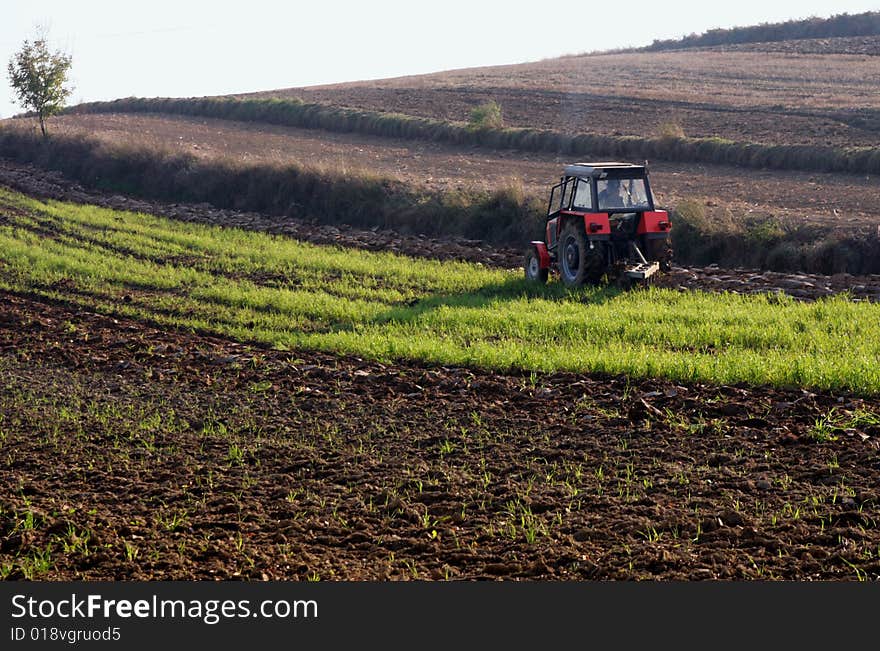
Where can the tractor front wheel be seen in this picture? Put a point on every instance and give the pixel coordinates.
(579, 262)
(533, 266)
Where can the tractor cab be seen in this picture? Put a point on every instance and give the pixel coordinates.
(601, 218)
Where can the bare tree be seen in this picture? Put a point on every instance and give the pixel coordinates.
(39, 78)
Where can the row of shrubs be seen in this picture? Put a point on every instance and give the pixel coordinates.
(295, 113)
(841, 25)
(506, 216)
(764, 242)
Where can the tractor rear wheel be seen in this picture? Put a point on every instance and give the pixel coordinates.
(533, 266)
(579, 263)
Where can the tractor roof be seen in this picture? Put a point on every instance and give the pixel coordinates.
(596, 169)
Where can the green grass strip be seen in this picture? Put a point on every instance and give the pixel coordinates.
(388, 307)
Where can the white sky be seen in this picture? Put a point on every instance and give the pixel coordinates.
(181, 49)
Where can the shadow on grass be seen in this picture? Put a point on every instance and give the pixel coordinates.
(513, 289)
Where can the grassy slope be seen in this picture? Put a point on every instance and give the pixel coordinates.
(287, 294)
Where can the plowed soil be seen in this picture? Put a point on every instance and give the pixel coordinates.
(857, 45)
(134, 453)
(769, 96)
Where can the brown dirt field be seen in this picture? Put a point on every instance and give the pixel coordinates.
(751, 96)
(133, 453)
(844, 200)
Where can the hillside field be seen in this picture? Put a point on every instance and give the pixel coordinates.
(247, 338)
(742, 95)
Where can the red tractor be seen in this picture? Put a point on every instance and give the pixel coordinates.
(601, 220)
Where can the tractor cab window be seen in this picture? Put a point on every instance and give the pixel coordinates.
(568, 190)
(583, 196)
(622, 194)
